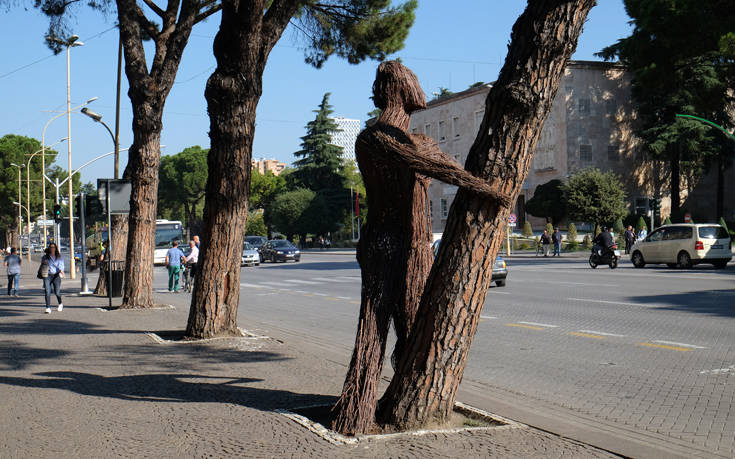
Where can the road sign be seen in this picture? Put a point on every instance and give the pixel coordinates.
(687, 217)
(512, 219)
(45, 222)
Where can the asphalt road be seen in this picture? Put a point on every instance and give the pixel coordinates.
(645, 353)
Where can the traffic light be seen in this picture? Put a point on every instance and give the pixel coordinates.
(57, 213)
(656, 208)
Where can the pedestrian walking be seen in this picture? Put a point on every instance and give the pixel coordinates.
(643, 233)
(12, 264)
(629, 238)
(546, 242)
(52, 271)
(556, 239)
(174, 256)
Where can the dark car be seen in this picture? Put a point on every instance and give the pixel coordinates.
(279, 250)
(500, 269)
(256, 242)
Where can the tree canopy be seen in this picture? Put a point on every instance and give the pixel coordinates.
(681, 55)
(595, 197)
(182, 179)
(548, 201)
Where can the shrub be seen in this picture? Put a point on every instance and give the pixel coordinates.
(527, 230)
(572, 245)
(587, 242)
(572, 233)
(667, 221)
(640, 225)
(618, 227)
(549, 228)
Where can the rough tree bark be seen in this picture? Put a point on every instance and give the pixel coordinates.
(394, 251)
(241, 47)
(148, 92)
(431, 368)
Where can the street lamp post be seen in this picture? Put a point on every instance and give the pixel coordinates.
(28, 229)
(20, 215)
(70, 43)
(28, 194)
(43, 158)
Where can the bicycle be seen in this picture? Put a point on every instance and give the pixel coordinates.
(188, 278)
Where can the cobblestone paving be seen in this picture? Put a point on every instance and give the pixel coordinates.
(89, 383)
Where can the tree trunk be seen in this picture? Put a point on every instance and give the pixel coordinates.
(143, 166)
(430, 370)
(241, 48)
(675, 186)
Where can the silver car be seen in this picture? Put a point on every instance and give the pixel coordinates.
(250, 255)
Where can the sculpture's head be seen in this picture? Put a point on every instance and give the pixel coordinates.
(399, 85)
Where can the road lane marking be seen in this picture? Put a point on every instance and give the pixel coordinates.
(586, 335)
(666, 346)
(495, 292)
(276, 284)
(611, 302)
(719, 371)
(331, 279)
(344, 298)
(536, 324)
(252, 285)
(488, 317)
(299, 281)
(319, 294)
(674, 343)
(593, 332)
(350, 278)
(531, 327)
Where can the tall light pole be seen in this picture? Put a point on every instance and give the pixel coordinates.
(28, 194)
(70, 43)
(28, 229)
(20, 215)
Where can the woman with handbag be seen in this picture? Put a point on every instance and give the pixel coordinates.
(53, 265)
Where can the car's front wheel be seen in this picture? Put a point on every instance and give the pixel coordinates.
(638, 260)
(684, 260)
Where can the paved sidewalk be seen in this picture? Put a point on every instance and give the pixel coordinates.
(86, 382)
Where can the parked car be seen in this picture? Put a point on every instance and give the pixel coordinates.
(250, 255)
(256, 241)
(279, 250)
(500, 268)
(684, 245)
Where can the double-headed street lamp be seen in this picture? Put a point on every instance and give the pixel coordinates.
(69, 43)
(20, 216)
(28, 193)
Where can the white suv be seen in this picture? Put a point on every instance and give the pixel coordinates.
(684, 245)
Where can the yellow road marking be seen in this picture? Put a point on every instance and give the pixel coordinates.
(525, 326)
(586, 335)
(665, 346)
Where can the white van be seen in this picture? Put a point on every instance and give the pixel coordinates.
(684, 245)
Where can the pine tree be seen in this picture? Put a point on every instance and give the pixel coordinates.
(572, 236)
(321, 160)
(640, 225)
(527, 230)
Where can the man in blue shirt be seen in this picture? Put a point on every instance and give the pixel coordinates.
(12, 262)
(174, 256)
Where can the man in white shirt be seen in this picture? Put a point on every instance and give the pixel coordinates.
(193, 258)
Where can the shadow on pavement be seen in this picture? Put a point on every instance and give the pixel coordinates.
(16, 356)
(189, 354)
(172, 387)
(710, 302)
(45, 325)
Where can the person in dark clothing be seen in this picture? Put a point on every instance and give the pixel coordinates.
(603, 241)
(556, 239)
(629, 238)
(546, 242)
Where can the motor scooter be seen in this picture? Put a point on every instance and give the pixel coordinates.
(608, 256)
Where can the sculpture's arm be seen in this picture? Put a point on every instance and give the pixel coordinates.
(426, 158)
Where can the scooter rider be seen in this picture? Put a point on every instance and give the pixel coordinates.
(603, 241)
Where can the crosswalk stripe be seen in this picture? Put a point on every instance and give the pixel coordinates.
(332, 279)
(299, 281)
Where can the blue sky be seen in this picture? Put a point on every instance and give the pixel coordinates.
(452, 45)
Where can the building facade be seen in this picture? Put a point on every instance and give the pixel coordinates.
(346, 136)
(262, 165)
(589, 125)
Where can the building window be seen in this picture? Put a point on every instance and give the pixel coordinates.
(455, 127)
(613, 153)
(585, 153)
(442, 131)
(584, 106)
(427, 129)
(444, 208)
(479, 114)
